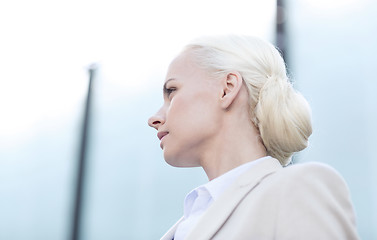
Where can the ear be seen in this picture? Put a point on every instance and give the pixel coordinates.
(232, 84)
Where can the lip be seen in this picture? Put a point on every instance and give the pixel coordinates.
(160, 135)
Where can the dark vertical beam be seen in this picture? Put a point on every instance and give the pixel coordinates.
(281, 35)
(281, 40)
(82, 161)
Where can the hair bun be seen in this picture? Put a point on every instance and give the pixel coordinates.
(283, 118)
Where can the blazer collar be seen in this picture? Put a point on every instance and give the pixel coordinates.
(220, 210)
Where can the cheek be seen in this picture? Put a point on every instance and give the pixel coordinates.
(191, 122)
(192, 116)
(189, 112)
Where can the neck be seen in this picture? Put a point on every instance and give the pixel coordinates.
(232, 147)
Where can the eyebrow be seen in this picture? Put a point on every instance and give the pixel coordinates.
(165, 89)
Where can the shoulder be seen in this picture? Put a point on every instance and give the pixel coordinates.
(312, 172)
(316, 179)
(310, 168)
(302, 201)
(315, 194)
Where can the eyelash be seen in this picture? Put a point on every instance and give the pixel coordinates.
(170, 90)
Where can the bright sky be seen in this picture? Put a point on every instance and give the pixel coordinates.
(338, 5)
(46, 45)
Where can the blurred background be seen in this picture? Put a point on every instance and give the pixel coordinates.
(129, 191)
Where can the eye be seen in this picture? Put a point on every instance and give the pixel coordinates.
(169, 91)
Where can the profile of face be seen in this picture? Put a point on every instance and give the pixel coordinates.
(190, 117)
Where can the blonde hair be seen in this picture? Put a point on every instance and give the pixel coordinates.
(281, 114)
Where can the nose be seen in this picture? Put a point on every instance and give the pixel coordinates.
(156, 120)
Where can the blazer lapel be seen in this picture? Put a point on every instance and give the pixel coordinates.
(221, 209)
(169, 235)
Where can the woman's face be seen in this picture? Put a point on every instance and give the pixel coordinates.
(189, 119)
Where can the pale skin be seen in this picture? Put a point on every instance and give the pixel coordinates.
(204, 120)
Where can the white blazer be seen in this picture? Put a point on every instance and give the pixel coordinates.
(303, 201)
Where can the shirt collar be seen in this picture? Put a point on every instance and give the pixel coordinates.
(217, 186)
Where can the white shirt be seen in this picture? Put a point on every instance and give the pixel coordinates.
(199, 199)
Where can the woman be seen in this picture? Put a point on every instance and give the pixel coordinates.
(230, 109)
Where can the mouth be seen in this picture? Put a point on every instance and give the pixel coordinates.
(160, 135)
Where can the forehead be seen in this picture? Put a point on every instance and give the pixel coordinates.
(182, 66)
